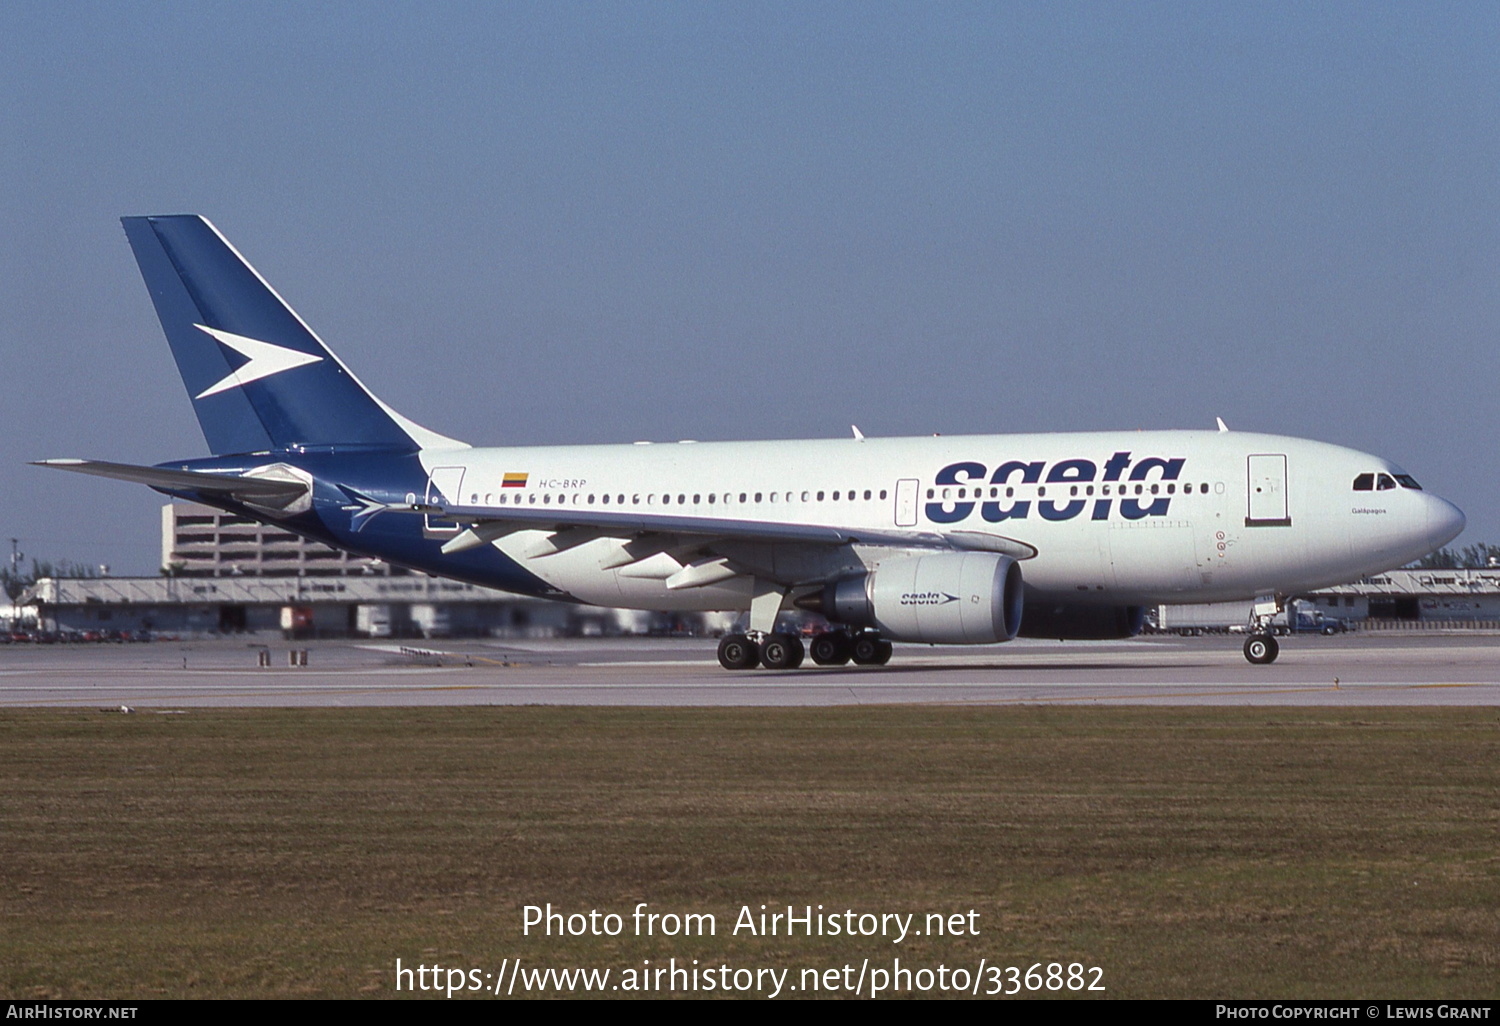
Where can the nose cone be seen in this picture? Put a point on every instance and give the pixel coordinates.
(1445, 521)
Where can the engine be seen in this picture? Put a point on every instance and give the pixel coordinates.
(1078, 622)
(947, 598)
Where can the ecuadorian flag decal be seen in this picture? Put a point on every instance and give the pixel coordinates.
(514, 481)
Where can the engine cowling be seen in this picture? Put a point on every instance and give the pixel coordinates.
(1064, 621)
(947, 598)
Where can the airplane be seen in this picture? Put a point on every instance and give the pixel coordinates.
(971, 539)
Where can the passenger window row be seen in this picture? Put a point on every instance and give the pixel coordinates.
(680, 499)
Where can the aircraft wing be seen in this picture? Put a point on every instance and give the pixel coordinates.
(266, 490)
(486, 523)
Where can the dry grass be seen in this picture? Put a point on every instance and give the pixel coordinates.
(1190, 852)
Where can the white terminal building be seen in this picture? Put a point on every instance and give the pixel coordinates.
(227, 574)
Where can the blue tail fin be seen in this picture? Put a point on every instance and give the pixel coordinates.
(258, 376)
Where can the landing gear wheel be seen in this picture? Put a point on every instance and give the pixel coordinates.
(737, 652)
(832, 648)
(871, 650)
(1261, 649)
(781, 652)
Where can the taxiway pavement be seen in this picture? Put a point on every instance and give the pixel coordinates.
(1420, 668)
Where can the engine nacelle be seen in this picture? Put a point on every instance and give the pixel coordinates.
(948, 598)
(1075, 621)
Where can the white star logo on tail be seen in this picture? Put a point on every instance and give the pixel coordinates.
(265, 360)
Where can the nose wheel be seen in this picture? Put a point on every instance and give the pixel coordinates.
(1261, 649)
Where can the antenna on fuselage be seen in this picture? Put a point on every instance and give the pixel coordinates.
(1222, 426)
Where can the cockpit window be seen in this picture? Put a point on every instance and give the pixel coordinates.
(1364, 483)
(1384, 483)
(1407, 481)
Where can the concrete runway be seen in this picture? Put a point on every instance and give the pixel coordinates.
(1354, 670)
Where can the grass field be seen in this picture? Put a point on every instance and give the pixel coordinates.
(1188, 852)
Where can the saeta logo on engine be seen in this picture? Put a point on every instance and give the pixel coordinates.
(926, 598)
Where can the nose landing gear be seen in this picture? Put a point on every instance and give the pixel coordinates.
(1261, 646)
(1261, 649)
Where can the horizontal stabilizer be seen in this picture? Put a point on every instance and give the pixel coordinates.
(269, 491)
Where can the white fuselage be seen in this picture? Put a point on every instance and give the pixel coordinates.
(1114, 518)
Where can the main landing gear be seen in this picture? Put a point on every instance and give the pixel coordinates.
(785, 651)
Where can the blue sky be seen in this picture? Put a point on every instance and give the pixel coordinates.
(552, 223)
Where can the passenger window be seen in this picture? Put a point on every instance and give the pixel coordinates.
(1364, 483)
